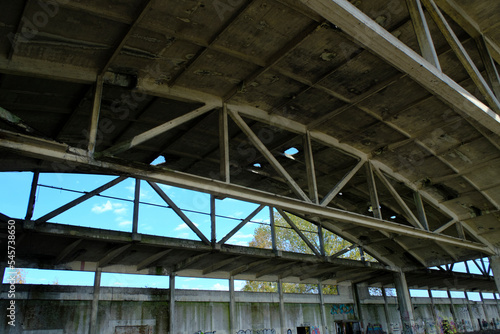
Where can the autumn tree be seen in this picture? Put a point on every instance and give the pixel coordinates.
(288, 240)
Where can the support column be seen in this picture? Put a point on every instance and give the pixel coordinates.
(386, 311)
(232, 306)
(404, 301)
(473, 321)
(95, 302)
(357, 303)
(487, 316)
(282, 307)
(452, 308)
(322, 308)
(171, 309)
(498, 308)
(434, 311)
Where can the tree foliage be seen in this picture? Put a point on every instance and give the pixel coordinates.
(288, 240)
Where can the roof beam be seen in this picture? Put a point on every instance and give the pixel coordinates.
(156, 131)
(112, 255)
(149, 260)
(268, 155)
(66, 251)
(341, 184)
(220, 264)
(462, 54)
(64, 155)
(422, 31)
(375, 38)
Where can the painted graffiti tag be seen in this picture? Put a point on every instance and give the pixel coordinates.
(342, 309)
(201, 332)
(258, 331)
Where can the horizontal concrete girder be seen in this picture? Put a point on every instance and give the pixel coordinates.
(67, 158)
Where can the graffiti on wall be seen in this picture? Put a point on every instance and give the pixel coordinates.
(342, 309)
(395, 328)
(464, 326)
(314, 330)
(201, 332)
(258, 331)
(374, 329)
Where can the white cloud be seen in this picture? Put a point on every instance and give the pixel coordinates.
(183, 226)
(125, 223)
(240, 235)
(219, 286)
(118, 208)
(102, 208)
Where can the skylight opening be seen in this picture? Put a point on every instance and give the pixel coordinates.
(291, 151)
(159, 160)
(257, 165)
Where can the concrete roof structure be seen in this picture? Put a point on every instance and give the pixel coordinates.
(398, 153)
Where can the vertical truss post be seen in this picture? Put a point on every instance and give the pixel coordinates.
(273, 229)
(361, 253)
(232, 307)
(462, 54)
(423, 33)
(94, 120)
(322, 308)
(373, 191)
(282, 306)
(224, 145)
(31, 201)
(95, 302)
(489, 65)
(213, 221)
(135, 219)
(420, 210)
(171, 308)
(311, 173)
(321, 238)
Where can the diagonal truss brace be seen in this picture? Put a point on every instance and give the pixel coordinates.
(240, 225)
(341, 184)
(268, 155)
(79, 200)
(63, 155)
(179, 212)
(299, 232)
(411, 217)
(156, 131)
(462, 54)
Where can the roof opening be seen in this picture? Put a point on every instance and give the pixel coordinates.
(258, 165)
(159, 160)
(291, 151)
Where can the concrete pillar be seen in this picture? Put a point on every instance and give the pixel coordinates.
(498, 308)
(322, 308)
(473, 321)
(232, 306)
(452, 308)
(495, 267)
(171, 309)
(485, 310)
(386, 311)
(95, 302)
(282, 307)
(357, 304)
(404, 302)
(434, 311)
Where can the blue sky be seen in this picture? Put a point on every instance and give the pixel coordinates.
(113, 210)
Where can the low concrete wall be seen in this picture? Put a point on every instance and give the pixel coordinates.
(63, 309)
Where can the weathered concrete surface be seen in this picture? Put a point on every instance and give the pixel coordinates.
(63, 309)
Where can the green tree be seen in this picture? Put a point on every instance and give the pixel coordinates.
(288, 240)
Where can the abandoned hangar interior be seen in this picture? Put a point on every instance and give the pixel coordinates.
(393, 108)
